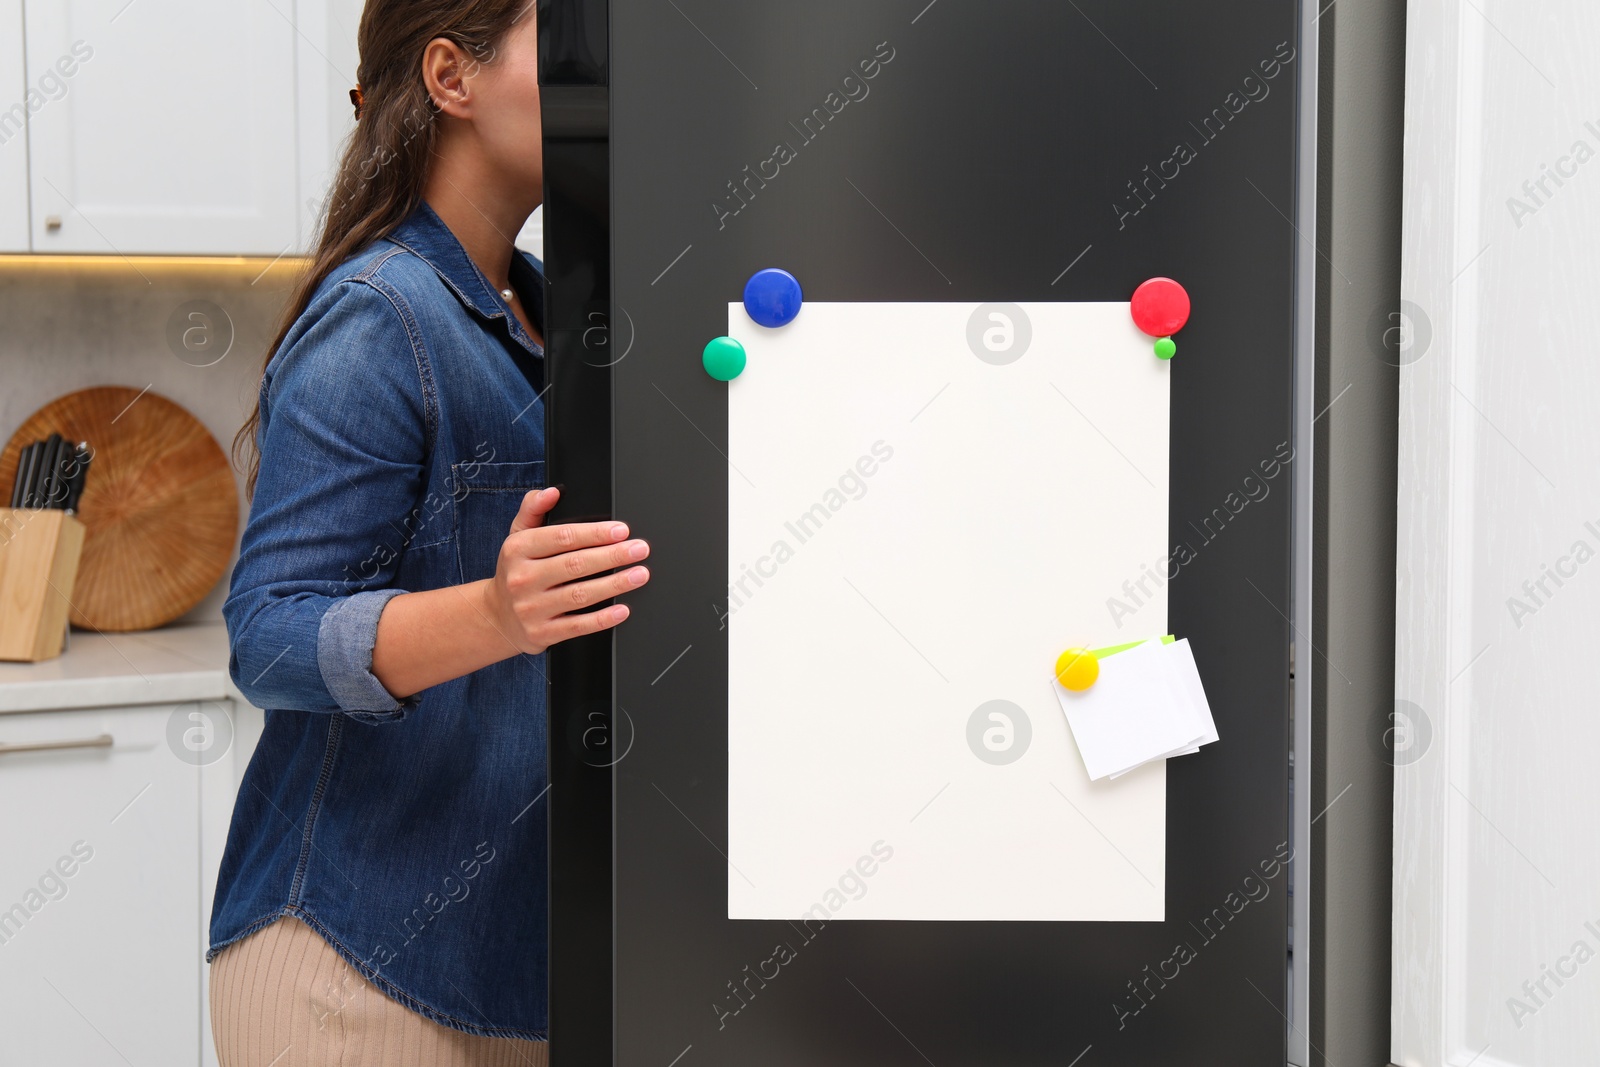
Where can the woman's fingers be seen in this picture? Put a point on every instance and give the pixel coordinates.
(535, 506)
(542, 542)
(590, 622)
(582, 562)
(545, 582)
(575, 596)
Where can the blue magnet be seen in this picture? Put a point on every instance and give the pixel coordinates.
(772, 297)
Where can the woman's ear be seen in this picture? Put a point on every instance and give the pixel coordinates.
(446, 73)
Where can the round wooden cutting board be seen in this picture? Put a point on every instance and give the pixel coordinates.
(159, 502)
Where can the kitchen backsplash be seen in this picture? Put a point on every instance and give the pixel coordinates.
(71, 323)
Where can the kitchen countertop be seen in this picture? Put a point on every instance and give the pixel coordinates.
(165, 666)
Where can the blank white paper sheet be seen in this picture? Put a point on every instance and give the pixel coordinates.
(920, 521)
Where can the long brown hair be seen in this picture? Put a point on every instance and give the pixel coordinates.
(385, 163)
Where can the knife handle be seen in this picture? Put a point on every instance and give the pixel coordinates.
(49, 472)
(80, 460)
(29, 471)
(17, 482)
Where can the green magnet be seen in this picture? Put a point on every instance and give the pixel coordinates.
(723, 358)
(1166, 348)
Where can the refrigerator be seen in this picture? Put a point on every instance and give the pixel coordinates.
(925, 341)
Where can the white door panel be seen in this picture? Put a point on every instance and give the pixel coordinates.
(1497, 804)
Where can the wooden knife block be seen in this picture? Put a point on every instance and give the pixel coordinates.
(39, 550)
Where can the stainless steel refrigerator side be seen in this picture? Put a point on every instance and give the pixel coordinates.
(1300, 582)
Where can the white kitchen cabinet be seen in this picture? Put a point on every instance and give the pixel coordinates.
(13, 131)
(110, 850)
(134, 127)
(99, 944)
(326, 58)
(172, 130)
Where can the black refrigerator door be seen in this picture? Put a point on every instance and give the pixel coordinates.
(1023, 151)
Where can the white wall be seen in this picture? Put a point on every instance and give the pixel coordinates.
(1497, 871)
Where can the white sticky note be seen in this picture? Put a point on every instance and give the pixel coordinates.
(1128, 722)
(916, 530)
(1183, 675)
(1132, 714)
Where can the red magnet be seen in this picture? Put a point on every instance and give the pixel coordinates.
(1160, 307)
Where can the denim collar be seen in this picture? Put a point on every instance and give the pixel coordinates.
(426, 236)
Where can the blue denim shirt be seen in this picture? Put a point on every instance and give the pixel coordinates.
(401, 425)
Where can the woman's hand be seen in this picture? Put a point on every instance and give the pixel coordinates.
(543, 582)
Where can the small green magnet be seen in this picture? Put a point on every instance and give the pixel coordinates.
(1166, 348)
(723, 358)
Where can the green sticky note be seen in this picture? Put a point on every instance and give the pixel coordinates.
(1102, 653)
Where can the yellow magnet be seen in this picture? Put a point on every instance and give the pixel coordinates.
(1077, 669)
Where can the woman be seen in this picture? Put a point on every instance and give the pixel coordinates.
(382, 896)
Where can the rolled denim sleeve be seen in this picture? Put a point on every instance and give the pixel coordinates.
(345, 640)
(344, 439)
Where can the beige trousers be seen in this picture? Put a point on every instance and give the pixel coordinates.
(282, 997)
